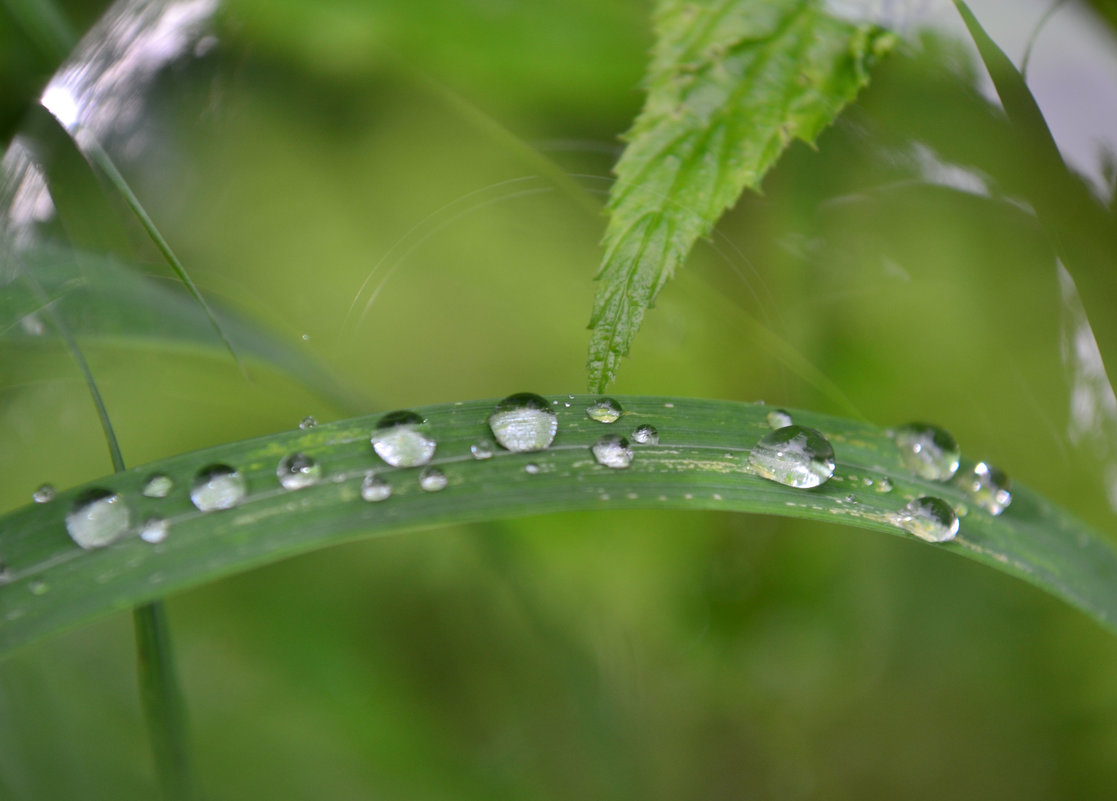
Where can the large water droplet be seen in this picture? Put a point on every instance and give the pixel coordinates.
(613, 451)
(44, 494)
(217, 487)
(154, 530)
(482, 449)
(399, 442)
(778, 418)
(297, 470)
(645, 434)
(989, 487)
(308, 422)
(931, 519)
(98, 518)
(432, 479)
(158, 486)
(604, 410)
(524, 422)
(928, 451)
(796, 456)
(375, 489)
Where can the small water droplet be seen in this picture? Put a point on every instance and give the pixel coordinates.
(310, 421)
(604, 410)
(795, 456)
(297, 470)
(883, 485)
(38, 587)
(778, 418)
(531, 468)
(216, 487)
(375, 489)
(44, 494)
(158, 485)
(154, 530)
(524, 422)
(399, 442)
(668, 406)
(990, 488)
(928, 451)
(645, 434)
(482, 449)
(98, 518)
(931, 519)
(612, 451)
(432, 479)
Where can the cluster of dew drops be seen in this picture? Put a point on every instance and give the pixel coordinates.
(792, 455)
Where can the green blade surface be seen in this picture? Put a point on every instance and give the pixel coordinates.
(700, 462)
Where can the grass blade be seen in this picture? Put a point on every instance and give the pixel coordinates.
(699, 463)
(731, 84)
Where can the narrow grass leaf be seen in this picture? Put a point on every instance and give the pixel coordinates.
(731, 84)
(339, 490)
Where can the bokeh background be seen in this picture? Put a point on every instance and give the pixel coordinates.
(360, 184)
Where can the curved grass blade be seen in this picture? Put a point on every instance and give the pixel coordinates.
(731, 84)
(700, 462)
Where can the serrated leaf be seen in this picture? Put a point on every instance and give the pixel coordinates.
(731, 84)
(48, 583)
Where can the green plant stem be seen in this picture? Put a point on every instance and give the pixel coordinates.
(161, 698)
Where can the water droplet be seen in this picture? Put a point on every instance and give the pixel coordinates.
(158, 486)
(613, 451)
(375, 489)
(38, 587)
(217, 487)
(98, 518)
(605, 410)
(778, 418)
(154, 530)
(531, 468)
(524, 422)
(930, 519)
(482, 449)
(399, 442)
(297, 470)
(44, 494)
(882, 485)
(796, 456)
(668, 406)
(308, 422)
(989, 487)
(645, 434)
(432, 479)
(928, 451)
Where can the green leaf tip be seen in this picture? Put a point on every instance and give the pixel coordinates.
(731, 84)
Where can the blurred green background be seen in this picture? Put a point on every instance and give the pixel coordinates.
(292, 150)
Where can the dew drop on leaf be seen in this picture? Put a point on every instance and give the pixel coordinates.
(482, 449)
(931, 519)
(98, 518)
(432, 479)
(217, 487)
(778, 418)
(612, 451)
(154, 530)
(375, 489)
(524, 422)
(645, 434)
(604, 410)
(158, 485)
(928, 451)
(990, 488)
(297, 470)
(308, 422)
(44, 494)
(399, 441)
(795, 456)
(531, 468)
